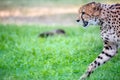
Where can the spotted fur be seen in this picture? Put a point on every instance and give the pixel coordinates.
(108, 17)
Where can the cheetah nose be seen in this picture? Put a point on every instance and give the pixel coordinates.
(85, 23)
(78, 20)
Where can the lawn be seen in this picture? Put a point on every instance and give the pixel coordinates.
(25, 56)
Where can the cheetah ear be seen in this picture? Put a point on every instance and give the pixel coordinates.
(97, 6)
(97, 9)
(93, 4)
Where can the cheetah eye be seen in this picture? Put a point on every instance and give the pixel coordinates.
(83, 12)
(96, 8)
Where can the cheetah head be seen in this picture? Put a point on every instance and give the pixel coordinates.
(89, 14)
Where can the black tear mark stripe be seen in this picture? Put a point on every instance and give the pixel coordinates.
(108, 55)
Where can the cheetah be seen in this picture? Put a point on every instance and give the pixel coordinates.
(108, 18)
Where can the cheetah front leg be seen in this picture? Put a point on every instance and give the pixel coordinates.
(109, 50)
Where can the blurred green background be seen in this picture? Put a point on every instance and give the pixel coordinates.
(25, 56)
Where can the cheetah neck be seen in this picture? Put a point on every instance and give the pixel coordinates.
(103, 17)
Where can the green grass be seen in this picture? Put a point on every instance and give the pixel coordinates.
(24, 56)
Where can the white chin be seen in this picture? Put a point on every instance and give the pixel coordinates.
(92, 22)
